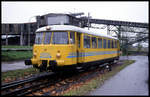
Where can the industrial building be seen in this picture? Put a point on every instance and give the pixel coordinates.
(24, 33)
(17, 33)
(55, 19)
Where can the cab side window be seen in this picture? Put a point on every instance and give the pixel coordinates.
(72, 37)
(78, 38)
(94, 42)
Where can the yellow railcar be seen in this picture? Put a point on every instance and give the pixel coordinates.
(65, 46)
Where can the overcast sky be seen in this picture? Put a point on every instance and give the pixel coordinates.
(21, 12)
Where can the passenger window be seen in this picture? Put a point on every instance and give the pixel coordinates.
(104, 43)
(109, 43)
(112, 44)
(115, 44)
(72, 39)
(86, 41)
(99, 42)
(94, 42)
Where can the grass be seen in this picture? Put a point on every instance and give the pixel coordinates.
(15, 74)
(16, 46)
(15, 55)
(96, 82)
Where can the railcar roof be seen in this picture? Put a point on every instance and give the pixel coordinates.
(73, 28)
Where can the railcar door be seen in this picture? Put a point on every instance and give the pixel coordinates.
(118, 48)
(72, 42)
(79, 47)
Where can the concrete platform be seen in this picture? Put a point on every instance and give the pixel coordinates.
(13, 65)
(132, 80)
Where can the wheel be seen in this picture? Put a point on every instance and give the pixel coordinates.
(110, 68)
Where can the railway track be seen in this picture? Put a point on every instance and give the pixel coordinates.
(20, 87)
(77, 79)
(32, 84)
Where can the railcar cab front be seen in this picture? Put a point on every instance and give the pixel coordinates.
(54, 49)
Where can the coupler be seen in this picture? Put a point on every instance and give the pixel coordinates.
(28, 62)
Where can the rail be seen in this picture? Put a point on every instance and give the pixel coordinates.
(17, 91)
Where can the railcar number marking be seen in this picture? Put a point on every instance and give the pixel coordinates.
(45, 55)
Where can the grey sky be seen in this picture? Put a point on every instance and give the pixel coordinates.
(20, 12)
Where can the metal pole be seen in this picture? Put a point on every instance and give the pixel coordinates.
(88, 20)
(38, 21)
(108, 30)
(6, 38)
(29, 35)
(119, 34)
(21, 36)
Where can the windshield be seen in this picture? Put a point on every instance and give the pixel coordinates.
(47, 37)
(39, 37)
(60, 38)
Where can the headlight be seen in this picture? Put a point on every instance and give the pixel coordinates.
(34, 55)
(48, 28)
(58, 55)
